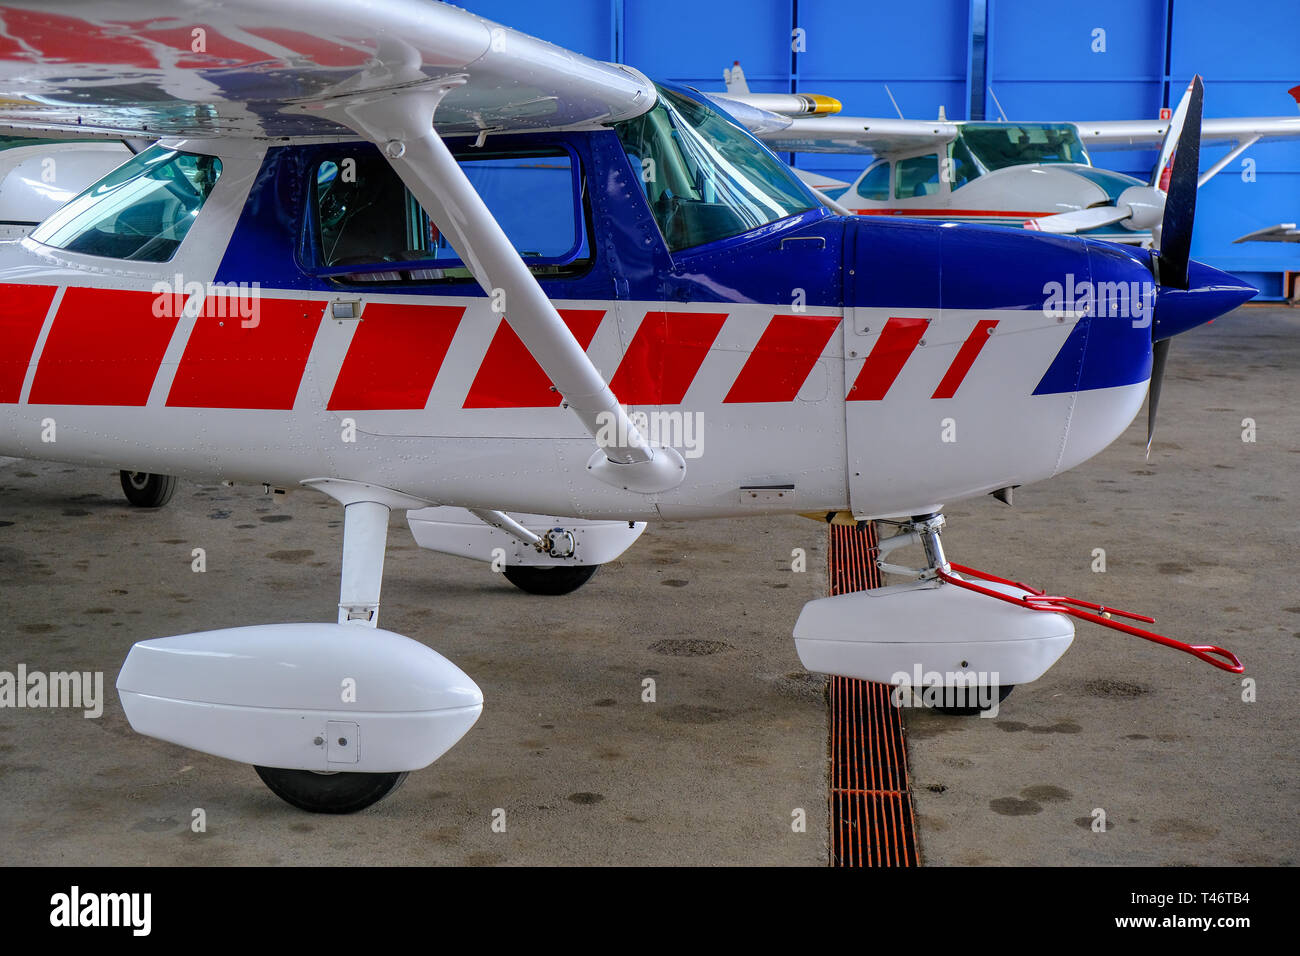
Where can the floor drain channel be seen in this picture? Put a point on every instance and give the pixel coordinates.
(871, 818)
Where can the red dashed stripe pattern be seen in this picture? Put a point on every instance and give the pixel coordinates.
(105, 347)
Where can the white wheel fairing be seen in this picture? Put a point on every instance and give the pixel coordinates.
(269, 694)
(927, 629)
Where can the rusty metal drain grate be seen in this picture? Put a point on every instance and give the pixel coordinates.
(871, 818)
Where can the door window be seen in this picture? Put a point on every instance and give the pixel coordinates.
(917, 176)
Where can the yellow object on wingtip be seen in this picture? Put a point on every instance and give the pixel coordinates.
(822, 105)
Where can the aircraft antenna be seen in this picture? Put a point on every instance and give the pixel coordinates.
(894, 101)
(1001, 111)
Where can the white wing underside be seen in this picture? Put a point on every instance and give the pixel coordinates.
(1282, 232)
(1148, 134)
(882, 136)
(239, 68)
(859, 134)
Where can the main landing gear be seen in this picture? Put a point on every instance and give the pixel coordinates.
(549, 581)
(330, 792)
(558, 543)
(145, 490)
(332, 716)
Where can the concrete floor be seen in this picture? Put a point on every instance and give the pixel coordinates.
(710, 773)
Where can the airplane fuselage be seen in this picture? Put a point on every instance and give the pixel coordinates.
(817, 363)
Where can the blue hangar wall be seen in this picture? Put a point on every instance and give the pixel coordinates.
(1036, 56)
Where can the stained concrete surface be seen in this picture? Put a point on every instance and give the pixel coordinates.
(585, 771)
(1186, 772)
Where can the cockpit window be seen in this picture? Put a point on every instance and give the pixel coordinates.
(705, 178)
(139, 212)
(962, 167)
(917, 176)
(997, 145)
(875, 184)
(368, 221)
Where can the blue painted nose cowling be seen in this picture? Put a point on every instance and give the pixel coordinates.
(1209, 294)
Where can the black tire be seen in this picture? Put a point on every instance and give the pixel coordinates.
(1003, 691)
(329, 792)
(145, 490)
(551, 581)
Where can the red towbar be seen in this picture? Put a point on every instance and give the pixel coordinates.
(1036, 600)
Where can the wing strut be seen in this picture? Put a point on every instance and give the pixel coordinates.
(401, 124)
(1232, 154)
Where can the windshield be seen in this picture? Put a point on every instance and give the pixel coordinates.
(997, 145)
(704, 177)
(139, 212)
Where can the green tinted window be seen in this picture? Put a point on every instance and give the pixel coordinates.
(997, 145)
(139, 212)
(962, 167)
(875, 184)
(918, 176)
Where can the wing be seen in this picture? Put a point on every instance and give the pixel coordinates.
(787, 104)
(1148, 134)
(153, 68)
(858, 134)
(1282, 232)
(754, 118)
(855, 134)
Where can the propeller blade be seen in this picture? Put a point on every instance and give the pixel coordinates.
(1159, 356)
(1172, 135)
(1180, 204)
(1064, 223)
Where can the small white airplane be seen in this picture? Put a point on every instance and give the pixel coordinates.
(412, 259)
(1036, 175)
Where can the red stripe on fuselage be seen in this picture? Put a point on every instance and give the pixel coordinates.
(664, 357)
(782, 359)
(898, 340)
(966, 355)
(104, 348)
(228, 364)
(20, 327)
(395, 356)
(511, 378)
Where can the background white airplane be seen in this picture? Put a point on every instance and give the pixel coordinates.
(37, 176)
(1035, 174)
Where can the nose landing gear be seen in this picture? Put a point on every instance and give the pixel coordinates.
(925, 530)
